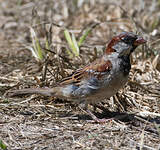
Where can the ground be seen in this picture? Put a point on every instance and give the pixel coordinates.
(40, 122)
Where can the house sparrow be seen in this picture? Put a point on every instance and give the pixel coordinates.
(99, 80)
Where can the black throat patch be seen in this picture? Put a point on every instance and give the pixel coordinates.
(125, 65)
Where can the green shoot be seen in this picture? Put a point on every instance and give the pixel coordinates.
(47, 44)
(2, 145)
(73, 44)
(19, 2)
(36, 50)
(76, 50)
(88, 31)
(83, 37)
(70, 43)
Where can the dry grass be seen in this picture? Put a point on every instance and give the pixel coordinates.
(36, 122)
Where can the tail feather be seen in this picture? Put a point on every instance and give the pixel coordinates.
(41, 91)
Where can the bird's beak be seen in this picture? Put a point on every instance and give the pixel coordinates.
(139, 41)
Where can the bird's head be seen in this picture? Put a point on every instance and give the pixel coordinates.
(124, 44)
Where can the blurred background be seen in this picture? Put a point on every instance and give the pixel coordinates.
(50, 18)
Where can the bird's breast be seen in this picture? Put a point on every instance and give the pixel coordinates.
(108, 88)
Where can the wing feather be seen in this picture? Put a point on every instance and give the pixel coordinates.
(97, 69)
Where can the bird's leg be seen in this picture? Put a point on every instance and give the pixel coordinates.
(100, 106)
(95, 119)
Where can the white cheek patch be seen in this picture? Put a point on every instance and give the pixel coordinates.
(122, 48)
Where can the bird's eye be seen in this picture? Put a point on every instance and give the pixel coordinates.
(128, 40)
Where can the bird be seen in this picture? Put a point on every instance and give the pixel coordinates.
(98, 80)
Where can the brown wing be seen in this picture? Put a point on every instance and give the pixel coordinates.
(97, 69)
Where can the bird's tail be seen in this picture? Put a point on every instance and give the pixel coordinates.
(41, 91)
